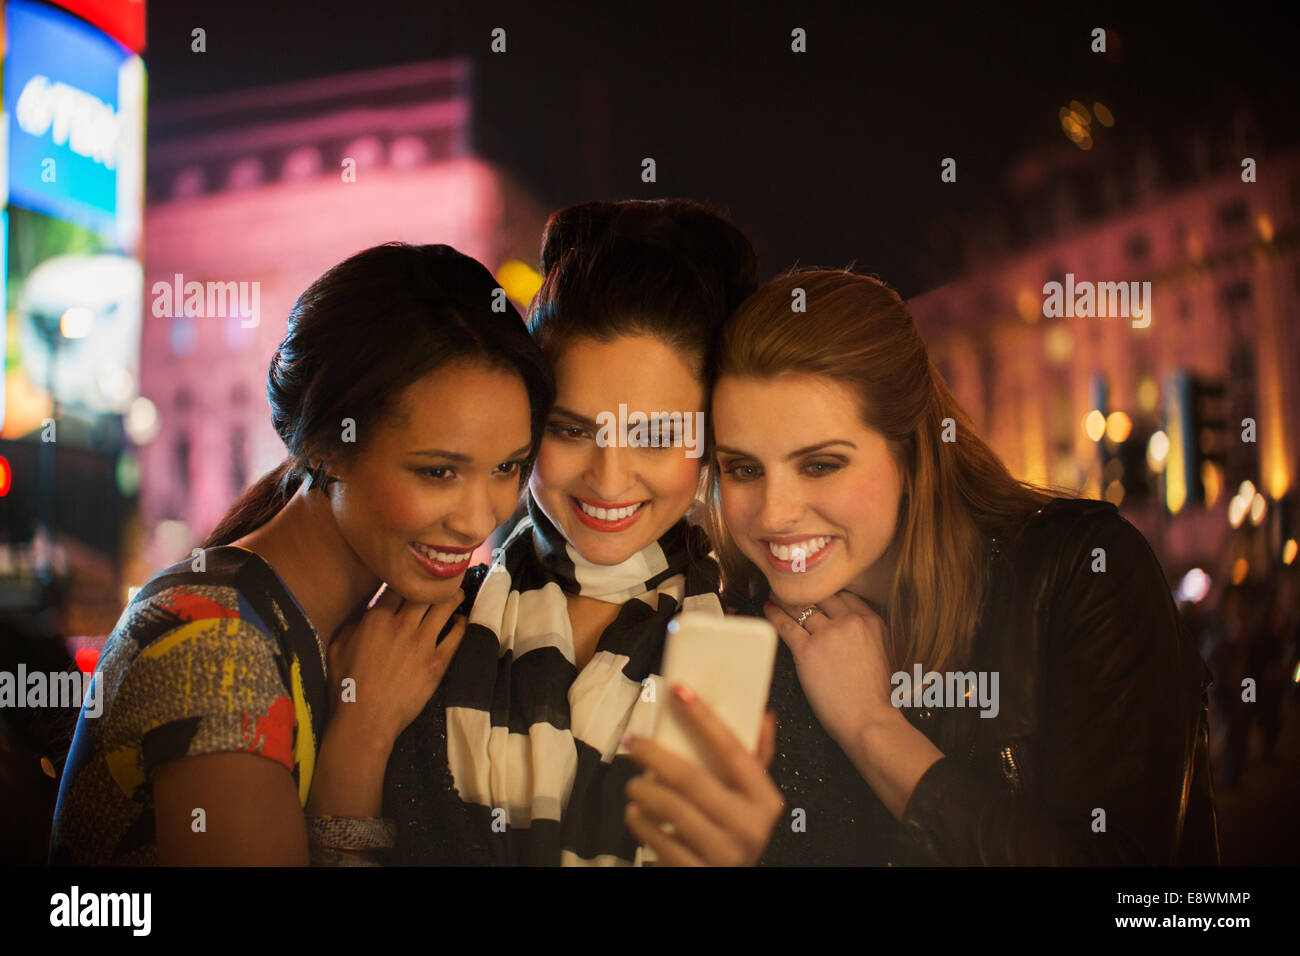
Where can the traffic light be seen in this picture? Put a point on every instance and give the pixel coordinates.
(1121, 448)
(1196, 420)
(1132, 455)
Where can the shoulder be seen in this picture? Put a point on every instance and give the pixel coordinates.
(1089, 569)
(214, 593)
(198, 664)
(1066, 531)
(201, 630)
(226, 564)
(1061, 513)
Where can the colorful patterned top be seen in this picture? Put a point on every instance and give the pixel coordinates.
(213, 655)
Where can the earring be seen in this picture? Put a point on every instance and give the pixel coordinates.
(320, 479)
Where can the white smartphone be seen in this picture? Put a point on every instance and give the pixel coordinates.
(728, 662)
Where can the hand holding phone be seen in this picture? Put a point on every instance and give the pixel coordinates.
(728, 662)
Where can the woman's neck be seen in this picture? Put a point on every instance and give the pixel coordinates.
(304, 546)
(873, 584)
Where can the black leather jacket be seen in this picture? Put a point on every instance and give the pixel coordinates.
(1103, 707)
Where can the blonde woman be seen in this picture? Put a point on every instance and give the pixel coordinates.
(959, 681)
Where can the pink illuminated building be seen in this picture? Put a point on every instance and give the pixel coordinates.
(1221, 256)
(272, 186)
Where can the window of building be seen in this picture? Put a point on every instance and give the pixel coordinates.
(304, 162)
(1089, 197)
(238, 459)
(1234, 214)
(367, 152)
(1062, 417)
(183, 335)
(245, 173)
(181, 462)
(406, 152)
(238, 333)
(1236, 293)
(189, 182)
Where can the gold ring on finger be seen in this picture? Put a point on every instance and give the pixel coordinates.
(808, 612)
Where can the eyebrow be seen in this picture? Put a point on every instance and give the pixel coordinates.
(807, 450)
(458, 456)
(653, 418)
(573, 416)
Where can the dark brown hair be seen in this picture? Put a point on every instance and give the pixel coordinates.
(670, 268)
(361, 333)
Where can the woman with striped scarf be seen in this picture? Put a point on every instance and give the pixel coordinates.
(531, 751)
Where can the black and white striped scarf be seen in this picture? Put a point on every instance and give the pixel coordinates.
(532, 743)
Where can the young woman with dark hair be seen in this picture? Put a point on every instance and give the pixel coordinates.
(522, 756)
(890, 544)
(411, 408)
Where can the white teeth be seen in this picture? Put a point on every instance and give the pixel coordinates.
(608, 514)
(444, 556)
(785, 552)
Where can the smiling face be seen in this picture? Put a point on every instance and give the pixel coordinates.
(440, 472)
(610, 501)
(808, 491)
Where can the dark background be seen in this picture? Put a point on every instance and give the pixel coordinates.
(827, 158)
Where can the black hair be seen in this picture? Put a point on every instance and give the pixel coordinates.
(360, 334)
(671, 268)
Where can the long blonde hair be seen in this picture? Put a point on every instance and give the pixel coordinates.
(955, 494)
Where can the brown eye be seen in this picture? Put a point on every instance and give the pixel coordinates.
(820, 469)
(566, 431)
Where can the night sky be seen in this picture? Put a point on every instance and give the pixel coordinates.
(826, 158)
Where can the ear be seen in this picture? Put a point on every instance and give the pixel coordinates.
(319, 476)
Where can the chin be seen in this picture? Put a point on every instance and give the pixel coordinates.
(804, 591)
(427, 592)
(800, 596)
(603, 553)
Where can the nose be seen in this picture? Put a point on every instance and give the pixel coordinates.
(474, 517)
(783, 506)
(611, 474)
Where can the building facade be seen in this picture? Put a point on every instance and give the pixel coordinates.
(259, 193)
(1220, 254)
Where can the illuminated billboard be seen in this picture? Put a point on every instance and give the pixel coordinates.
(4, 304)
(75, 101)
(123, 19)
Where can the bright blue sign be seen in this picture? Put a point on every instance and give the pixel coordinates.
(70, 137)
